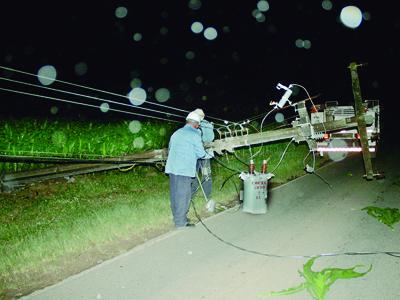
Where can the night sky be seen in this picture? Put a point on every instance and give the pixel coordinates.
(231, 77)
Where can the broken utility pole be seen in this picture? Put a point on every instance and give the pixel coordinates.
(361, 124)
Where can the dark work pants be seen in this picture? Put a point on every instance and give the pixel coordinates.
(180, 196)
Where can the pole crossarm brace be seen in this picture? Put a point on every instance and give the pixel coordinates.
(302, 132)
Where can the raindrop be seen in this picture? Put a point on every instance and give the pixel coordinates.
(137, 37)
(59, 138)
(226, 29)
(190, 55)
(194, 4)
(210, 33)
(366, 16)
(47, 75)
(54, 110)
(307, 44)
(163, 30)
(162, 95)
(104, 107)
(81, 68)
(279, 117)
(199, 79)
(135, 126)
(121, 12)
(162, 131)
(196, 27)
(263, 5)
(351, 16)
(138, 143)
(334, 155)
(256, 13)
(327, 5)
(260, 17)
(299, 43)
(137, 96)
(135, 82)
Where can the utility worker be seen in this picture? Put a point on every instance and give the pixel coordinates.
(185, 148)
(203, 165)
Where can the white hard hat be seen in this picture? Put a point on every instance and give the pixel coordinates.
(192, 116)
(200, 112)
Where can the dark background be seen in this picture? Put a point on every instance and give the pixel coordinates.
(240, 68)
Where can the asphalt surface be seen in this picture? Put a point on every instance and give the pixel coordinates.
(304, 218)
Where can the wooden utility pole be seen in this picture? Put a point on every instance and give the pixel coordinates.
(360, 116)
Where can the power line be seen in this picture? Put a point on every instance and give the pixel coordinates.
(85, 104)
(91, 97)
(102, 91)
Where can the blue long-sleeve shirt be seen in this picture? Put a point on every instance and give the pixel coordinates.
(185, 148)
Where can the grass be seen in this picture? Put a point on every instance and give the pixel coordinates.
(388, 216)
(46, 226)
(78, 139)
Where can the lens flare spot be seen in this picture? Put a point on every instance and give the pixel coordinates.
(81, 68)
(198, 79)
(194, 4)
(137, 37)
(54, 110)
(299, 43)
(138, 143)
(121, 12)
(47, 75)
(104, 107)
(135, 82)
(210, 33)
(135, 126)
(366, 16)
(337, 156)
(197, 27)
(263, 5)
(256, 13)
(226, 29)
(162, 131)
(307, 44)
(327, 4)
(190, 55)
(260, 17)
(59, 138)
(163, 30)
(279, 117)
(351, 16)
(162, 95)
(137, 96)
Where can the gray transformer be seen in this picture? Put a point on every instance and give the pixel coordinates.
(255, 192)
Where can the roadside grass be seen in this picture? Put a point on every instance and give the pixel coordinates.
(78, 139)
(53, 229)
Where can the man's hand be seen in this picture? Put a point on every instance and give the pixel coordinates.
(210, 153)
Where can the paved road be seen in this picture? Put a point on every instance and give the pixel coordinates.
(304, 217)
